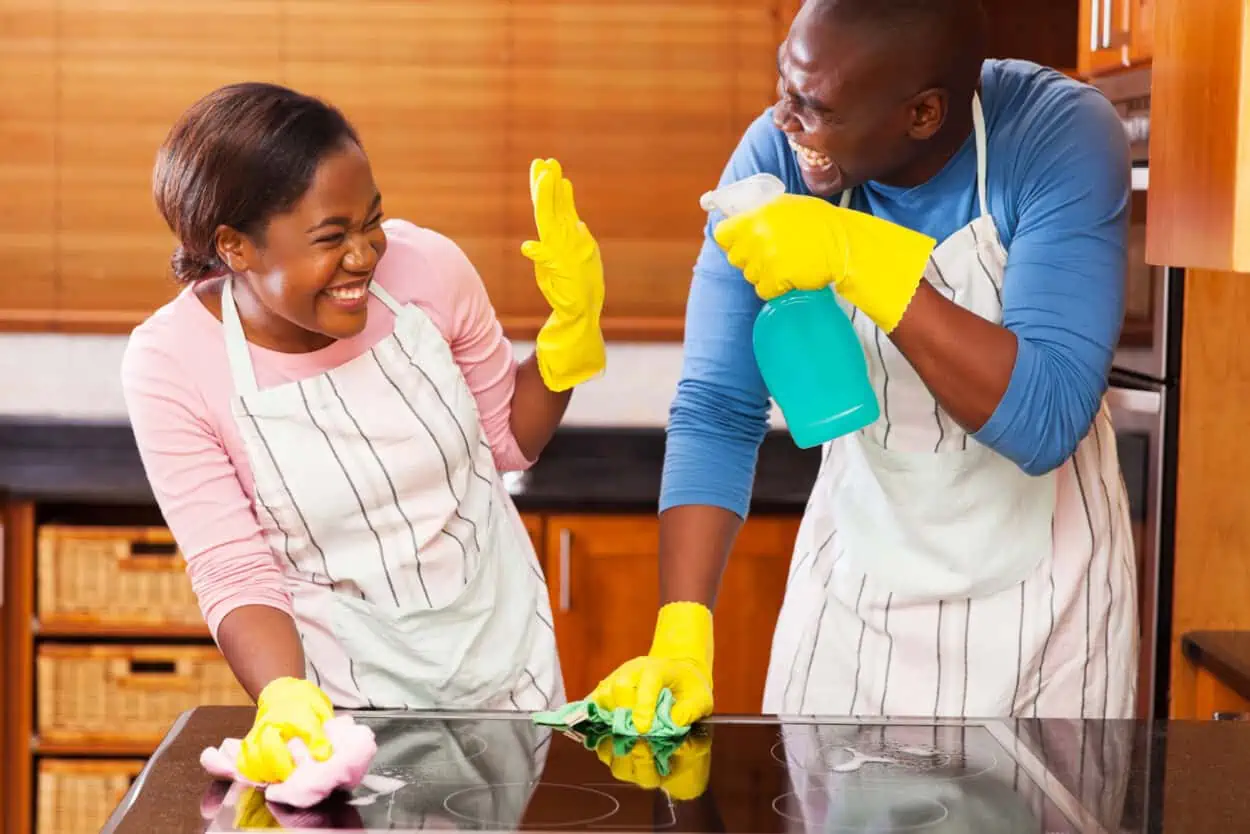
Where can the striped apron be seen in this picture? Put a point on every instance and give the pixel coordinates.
(931, 576)
(413, 579)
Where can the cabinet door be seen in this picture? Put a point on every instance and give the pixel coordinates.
(534, 526)
(604, 584)
(1143, 35)
(28, 104)
(746, 611)
(604, 581)
(1106, 27)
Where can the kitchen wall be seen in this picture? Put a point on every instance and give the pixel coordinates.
(77, 377)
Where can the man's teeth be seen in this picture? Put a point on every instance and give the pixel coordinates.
(348, 293)
(814, 159)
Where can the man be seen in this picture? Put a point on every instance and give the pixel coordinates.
(970, 553)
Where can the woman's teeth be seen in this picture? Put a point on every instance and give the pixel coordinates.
(809, 157)
(352, 293)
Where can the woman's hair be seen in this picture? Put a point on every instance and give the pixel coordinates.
(236, 157)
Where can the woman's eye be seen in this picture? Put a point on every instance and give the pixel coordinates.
(377, 218)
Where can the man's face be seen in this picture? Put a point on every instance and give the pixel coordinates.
(844, 105)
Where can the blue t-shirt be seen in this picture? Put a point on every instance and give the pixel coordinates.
(1059, 189)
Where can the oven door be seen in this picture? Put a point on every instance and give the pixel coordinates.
(1148, 298)
(1139, 415)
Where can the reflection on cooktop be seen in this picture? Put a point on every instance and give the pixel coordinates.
(498, 772)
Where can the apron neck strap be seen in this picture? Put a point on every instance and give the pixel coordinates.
(241, 369)
(978, 128)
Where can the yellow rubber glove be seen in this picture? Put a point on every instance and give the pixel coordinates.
(680, 660)
(569, 272)
(287, 708)
(252, 812)
(689, 766)
(806, 243)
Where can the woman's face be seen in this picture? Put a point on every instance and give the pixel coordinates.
(308, 284)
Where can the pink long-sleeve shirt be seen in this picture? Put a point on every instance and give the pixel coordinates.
(178, 391)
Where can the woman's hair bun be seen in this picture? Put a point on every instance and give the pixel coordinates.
(188, 267)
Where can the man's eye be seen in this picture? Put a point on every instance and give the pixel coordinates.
(330, 239)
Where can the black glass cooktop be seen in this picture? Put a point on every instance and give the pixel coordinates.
(501, 773)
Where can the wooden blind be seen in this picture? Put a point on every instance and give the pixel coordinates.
(641, 100)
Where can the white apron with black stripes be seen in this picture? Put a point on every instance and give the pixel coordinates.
(931, 576)
(414, 582)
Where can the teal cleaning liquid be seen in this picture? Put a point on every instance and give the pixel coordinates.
(805, 346)
(814, 367)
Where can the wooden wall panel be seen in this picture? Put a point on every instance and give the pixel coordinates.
(428, 93)
(28, 160)
(126, 71)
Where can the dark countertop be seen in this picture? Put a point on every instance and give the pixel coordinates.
(1130, 777)
(1225, 653)
(582, 470)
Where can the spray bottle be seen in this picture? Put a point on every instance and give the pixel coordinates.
(805, 346)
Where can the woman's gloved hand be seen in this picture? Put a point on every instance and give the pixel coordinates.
(287, 708)
(806, 243)
(569, 272)
(688, 767)
(680, 660)
(252, 812)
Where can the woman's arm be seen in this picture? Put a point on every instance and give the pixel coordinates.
(536, 409)
(240, 588)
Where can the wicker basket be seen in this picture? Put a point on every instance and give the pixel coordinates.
(76, 797)
(119, 576)
(96, 695)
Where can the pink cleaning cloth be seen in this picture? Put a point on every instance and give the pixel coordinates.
(312, 781)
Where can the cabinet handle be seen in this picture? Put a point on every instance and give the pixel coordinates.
(1095, 19)
(566, 549)
(1106, 23)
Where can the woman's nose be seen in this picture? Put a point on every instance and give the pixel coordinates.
(362, 256)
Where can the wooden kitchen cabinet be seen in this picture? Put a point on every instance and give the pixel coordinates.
(1115, 34)
(603, 576)
(1199, 197)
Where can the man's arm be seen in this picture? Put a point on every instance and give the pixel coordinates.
(1030, 388)
(720, 413)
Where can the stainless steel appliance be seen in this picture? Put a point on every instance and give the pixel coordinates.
(1143, 398)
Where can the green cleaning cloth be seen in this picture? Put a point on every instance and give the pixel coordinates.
(591, 724)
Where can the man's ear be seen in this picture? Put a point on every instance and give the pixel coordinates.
(928, 109)
(237, 251)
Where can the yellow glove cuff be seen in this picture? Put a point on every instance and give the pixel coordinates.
(683, 630)
(570, 351)
(282, 689)
(886, 266)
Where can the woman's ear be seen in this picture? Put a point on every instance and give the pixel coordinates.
(236, 250)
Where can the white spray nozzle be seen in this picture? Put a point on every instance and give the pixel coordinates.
(743, 195)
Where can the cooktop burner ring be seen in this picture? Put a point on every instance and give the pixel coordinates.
(874, 770)
(936, 812)
(449, 801)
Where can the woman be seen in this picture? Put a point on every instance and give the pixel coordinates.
(323, 413)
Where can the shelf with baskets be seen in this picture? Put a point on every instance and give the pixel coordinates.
(106, 647)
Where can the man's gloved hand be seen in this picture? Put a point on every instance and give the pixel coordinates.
(806, 243)
(687, 768)
(287, 708)
(680, 660)
(569, 272)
